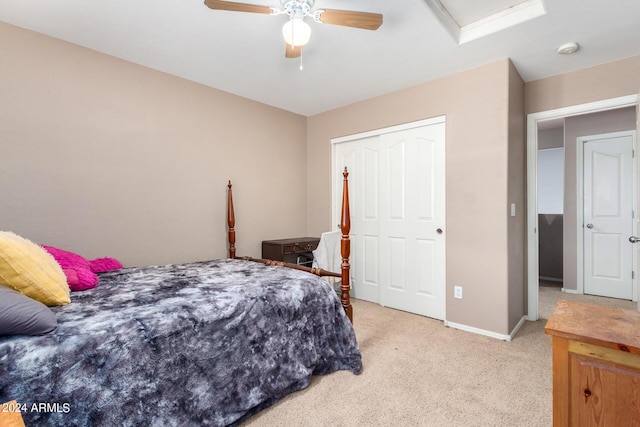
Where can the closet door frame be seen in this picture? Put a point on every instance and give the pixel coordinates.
(336, 166)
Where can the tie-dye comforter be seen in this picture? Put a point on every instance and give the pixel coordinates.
(206, 343)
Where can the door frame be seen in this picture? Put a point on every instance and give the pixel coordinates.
(580, 205)
(532, 182)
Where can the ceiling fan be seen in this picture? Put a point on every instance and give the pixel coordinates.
(296, 32)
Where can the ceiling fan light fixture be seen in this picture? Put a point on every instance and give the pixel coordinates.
(296, 32)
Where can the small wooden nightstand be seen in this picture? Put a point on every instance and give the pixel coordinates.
(295, 251)
(596, 365)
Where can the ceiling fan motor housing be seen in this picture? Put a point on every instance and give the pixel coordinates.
(297, 8)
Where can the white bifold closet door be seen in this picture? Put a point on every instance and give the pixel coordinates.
(397, 192)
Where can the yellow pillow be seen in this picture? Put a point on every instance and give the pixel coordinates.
(27, 268)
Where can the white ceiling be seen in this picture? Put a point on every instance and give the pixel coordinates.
(243, 53)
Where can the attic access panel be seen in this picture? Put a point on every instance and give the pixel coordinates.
(468, 20)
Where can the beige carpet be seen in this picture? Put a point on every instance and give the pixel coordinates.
(417, 372)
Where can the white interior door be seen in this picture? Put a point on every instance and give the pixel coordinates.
(608, 216)
(397, 192)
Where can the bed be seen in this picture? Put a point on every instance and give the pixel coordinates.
(202, 343)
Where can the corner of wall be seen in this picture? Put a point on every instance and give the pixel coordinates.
(516, 222)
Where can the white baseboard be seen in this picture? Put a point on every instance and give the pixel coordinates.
(484, 332)
(517, 328)
(570, 291)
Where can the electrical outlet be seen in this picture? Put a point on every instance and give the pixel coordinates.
(457, 292)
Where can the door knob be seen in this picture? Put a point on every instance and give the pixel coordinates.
(439, 231)
(634, 239)
(589, 225)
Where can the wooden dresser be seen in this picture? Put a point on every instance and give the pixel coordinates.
(596, 365)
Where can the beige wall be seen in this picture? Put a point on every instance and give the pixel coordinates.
(551, 138)
(108, 158)
(479, 144)
(620, 78)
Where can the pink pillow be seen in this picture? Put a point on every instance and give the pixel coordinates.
(75, 267)
(100, 265)
(80, 279)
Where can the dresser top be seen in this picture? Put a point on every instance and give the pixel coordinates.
(603, 326)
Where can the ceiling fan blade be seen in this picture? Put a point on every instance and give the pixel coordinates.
(293, 51)
(364, 20)
(237, 7)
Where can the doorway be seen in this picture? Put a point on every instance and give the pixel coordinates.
(533, 120)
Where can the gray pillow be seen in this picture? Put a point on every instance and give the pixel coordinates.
(21, 315)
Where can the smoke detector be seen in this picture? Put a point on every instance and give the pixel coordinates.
(568, 48)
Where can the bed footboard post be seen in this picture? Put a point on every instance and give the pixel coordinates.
(231, 223)
(345, 247)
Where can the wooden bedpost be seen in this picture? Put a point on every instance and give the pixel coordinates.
(345, 247)
(231, 222)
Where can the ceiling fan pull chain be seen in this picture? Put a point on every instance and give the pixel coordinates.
(301, 51)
